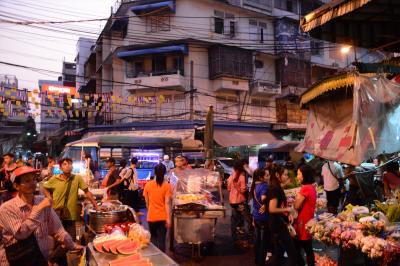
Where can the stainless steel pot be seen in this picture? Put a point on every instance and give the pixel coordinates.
(97, 220)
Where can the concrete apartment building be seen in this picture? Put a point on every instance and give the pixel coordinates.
(83, 51)
(170, 60)
(139, 55)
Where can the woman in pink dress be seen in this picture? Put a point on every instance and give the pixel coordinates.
(305, 205)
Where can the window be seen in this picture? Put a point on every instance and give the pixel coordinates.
(288, 5)
(134, 69)
(316, 47)
(219, 25)
(224, 23)
(257, 30)
(177, 64)
(159, 64)
(158, 23)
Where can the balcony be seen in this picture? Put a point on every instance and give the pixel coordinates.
(162, 80)
(260, 87)
(234, 84)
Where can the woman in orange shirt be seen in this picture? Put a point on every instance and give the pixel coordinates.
(157, 194)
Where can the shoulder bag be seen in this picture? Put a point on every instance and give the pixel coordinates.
(25, 252)
(340, 180)
(63, 212)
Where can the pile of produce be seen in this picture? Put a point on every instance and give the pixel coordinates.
(139, 234)
(132, 260)
(118, 243)
(357, 227)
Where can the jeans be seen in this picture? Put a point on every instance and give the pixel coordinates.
(158, 233)
(306, 245)
(282, 241)
(240, 217)
(261, 242)
(59, 254)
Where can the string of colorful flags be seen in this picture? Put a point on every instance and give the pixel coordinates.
(17, 103)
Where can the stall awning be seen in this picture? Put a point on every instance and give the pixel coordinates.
(231, 138)
(281, 146)
(119, 23)
(362, 23)
(182, 48)
(164, 5)
(325, 85)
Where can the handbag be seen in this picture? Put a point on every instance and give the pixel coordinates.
(63, 212)
(25, 252)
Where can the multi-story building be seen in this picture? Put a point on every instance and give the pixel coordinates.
(172, 59)
(83, 51)
(69, 74)
(169, 60)
(13, 112)
(301, 60)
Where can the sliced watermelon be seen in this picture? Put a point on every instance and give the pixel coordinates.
(99, 247)
(140, 262)
(129, 248)
(114, 246)
(130, 258)
(107, 244)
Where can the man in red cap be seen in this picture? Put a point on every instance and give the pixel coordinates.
(27, 221)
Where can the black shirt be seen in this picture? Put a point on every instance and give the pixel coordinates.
(114, 176)
(277, 221)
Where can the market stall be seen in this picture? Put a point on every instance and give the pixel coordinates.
(365, 236)
(117, 238)
(197, 205)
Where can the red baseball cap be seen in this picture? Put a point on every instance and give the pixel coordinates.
(22, 171)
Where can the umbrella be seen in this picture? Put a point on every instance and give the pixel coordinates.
(209, 134)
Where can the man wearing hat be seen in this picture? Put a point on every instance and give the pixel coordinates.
(26, 223)
(168, 163)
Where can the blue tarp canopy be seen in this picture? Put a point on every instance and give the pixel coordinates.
(119, 23)
(182, 48)
(168, 5)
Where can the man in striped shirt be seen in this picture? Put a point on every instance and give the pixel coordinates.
(26, 214)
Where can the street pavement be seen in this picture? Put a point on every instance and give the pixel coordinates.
(224, 251)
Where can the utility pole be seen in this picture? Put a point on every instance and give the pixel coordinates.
(191, 92)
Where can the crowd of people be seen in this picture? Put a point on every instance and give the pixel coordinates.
(261, 216)
(274, 226)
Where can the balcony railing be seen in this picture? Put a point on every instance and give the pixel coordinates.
(163, 79)
(265, 87)
(140, 74)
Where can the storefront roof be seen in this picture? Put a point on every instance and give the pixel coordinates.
(365, 23)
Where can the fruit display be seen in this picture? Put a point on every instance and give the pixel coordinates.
(139, 234)
(123, 226)
(132, 260)
(118, 243)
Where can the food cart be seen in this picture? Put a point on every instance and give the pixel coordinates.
(197, 204)
(117, 238)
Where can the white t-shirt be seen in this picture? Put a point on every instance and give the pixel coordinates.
(330, 182)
